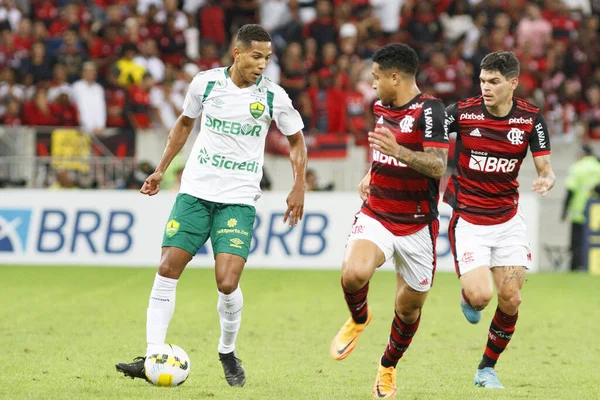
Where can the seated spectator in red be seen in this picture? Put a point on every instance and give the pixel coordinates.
(328, 104)
(37, 111)
(116, 101)
(69, 19)
(140, 108)
(211, 21)
(106, 47)
(24, 36)
(12, 116)
(209, 55)
(64, 111)
(293, 73)
(172, 44)
(322, 29)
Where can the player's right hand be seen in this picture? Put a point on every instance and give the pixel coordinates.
(151, 185)
(364, 187)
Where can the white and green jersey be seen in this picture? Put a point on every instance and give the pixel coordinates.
(226, 162)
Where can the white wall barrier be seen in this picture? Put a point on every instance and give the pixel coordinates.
(71, 227)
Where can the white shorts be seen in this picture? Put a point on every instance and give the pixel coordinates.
(413, 255)
(500, 245)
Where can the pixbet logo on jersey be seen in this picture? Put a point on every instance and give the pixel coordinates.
(484, 163)
(471, 116)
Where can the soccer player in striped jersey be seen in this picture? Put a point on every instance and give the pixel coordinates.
(399, 217)
(487, 229)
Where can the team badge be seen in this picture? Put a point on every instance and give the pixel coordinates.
(257, 109)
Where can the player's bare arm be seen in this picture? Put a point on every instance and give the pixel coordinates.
(364, 187)
(431, 161)
(177, 138)
(546, 177)
(295, 200)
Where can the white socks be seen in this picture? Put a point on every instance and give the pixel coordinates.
(160, 310)
(229, 307)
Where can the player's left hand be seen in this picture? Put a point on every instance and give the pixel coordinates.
(384, 140)
(295, 209)
(542, 185)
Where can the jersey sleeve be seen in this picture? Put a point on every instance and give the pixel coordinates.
(540, 137)
(192, 105)
(452, 118)
(435, 133)
(286, 117)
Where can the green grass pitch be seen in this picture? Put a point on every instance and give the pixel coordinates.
(62, 330)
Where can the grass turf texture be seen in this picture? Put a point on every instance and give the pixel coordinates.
(63, 329)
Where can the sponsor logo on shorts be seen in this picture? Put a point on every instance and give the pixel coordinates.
(467, 257)
(356, 229)
(237, 243)
(172, 228)
(232, 230)
(232, 222)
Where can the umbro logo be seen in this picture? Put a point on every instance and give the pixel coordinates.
(475, 132)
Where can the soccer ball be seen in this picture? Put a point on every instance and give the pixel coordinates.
(169, 366)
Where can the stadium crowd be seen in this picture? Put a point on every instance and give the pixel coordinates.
(127, 63)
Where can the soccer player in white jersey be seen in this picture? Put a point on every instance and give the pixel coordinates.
(219, 187)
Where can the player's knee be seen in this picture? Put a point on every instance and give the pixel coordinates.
(169, 269)
(509, 301)
(408, 314)
(227, 285)
(478, 298)
(355, 278)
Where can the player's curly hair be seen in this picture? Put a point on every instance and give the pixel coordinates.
(252, 32)
(504, 62)
(397, 56)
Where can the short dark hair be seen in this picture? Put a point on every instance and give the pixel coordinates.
(252, 32)
(504, 62)
(397, 56)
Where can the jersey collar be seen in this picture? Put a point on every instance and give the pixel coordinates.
(229, 77)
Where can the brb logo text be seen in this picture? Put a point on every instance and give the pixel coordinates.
(60, 230)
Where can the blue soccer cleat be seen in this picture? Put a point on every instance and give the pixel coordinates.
(472, 315)
(487, 378)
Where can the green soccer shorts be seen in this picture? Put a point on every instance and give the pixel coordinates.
(193, 221)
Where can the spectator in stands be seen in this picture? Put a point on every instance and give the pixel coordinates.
(71, 54)
(89, 98)
(535, 31)
(167, 102)
(59, 83)
(37, 111)
(209, 55)
(322, 29)
(9, 88)
(38, 65)
(591, 116)
(23, 37)
(583, 178)
(106, 47)
(130, 73)
(117, 100)
(64, 180)
(63, 110)
(274, 14)
(327, 105)
(12, 116)
(141, 111)
(149, 60)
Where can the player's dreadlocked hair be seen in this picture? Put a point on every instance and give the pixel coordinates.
(252, 32)
(397, 56)
(504, 62)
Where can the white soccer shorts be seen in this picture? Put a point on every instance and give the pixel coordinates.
(413, 255)
(500, 245)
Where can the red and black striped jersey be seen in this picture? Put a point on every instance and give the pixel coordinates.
(401, 198)
(489, 151)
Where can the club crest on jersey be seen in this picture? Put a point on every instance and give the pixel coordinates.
(515, 136)
(406, 124)
(257, 109)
